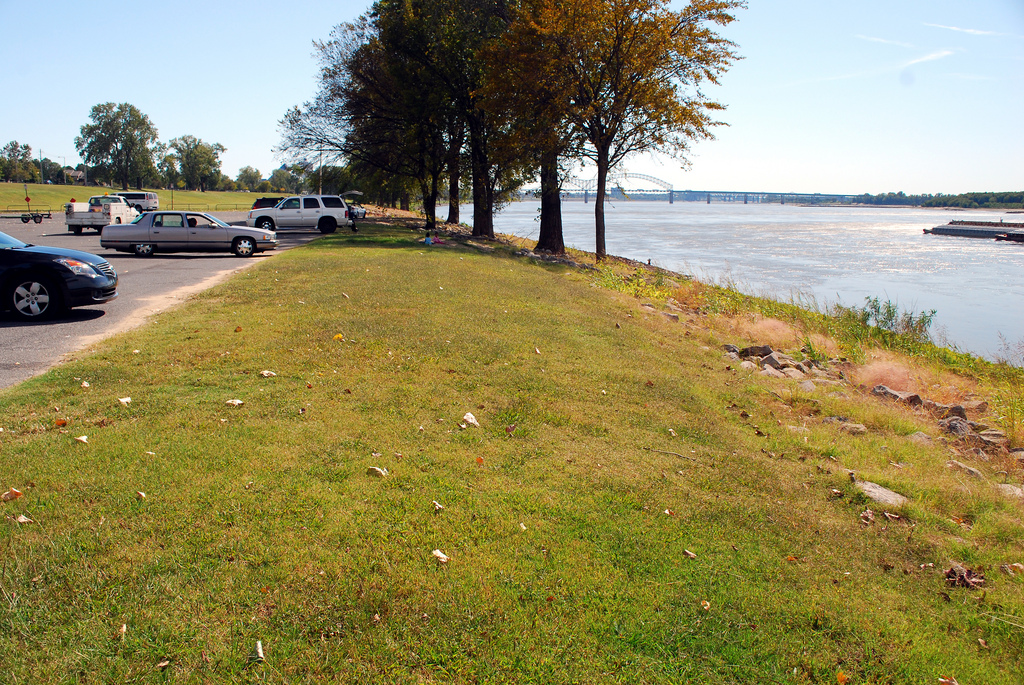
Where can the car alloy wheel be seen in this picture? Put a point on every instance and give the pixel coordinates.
(265, 224)
(243, 247)
(144, 250)
(34, 298)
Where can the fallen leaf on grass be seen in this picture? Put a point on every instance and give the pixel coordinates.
(60, 423)
(124, 400)
(689, 554)
(982, 643)
(510, 429)
(867, 517)
(257, 653)
(24, 519)
(140, 495)
(947, 681)
(267, 374)
(522, 527)
(11, 495)
(791, 558)
(377, 472)
(164, 663)
(649, 384)
(238, 329)
(82, 438)
(959, 575)
(706, 604)
(842, 678)
(339, 337)
(441, 556)
(669, 512)
(438, 506)
(85, 384)
(671, 432)
(470, 419)
(480, 460)
(235, 403)
(124, 629)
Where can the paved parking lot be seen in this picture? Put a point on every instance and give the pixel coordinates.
(146, 286)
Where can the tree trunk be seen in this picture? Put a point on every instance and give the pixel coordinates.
(454, 160)
(550, 206)
(429, 192)
(403, 201)
(602, 179)
(483, 218)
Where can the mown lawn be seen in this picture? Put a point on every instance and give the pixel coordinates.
(12, 198)
(614, 518)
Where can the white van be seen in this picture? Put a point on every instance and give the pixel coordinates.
(142, 202)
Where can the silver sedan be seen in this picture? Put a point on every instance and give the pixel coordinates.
(185, 232)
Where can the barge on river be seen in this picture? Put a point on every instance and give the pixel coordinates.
(981, 229)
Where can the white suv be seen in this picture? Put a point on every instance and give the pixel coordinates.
(324, 212)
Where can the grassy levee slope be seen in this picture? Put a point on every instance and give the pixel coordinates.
(612, 448)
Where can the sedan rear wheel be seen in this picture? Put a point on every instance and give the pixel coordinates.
(243, 247)
(143, 250)
(34, 298)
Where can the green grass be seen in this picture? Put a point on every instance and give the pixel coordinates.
(260, 523)
(12, 198)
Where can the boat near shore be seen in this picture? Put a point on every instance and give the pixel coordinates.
(981, 229)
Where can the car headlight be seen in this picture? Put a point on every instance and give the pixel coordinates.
(79, 268)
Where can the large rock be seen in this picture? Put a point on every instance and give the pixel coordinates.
(853, 428)
(772, 373)
(1010, 490)
(957, 426)
(910, 398)
(884, 496)
(921, 438)
(978, 406)
(955, 410)
(758, 351)
(969, 470)
(992, 437)
(731, 348)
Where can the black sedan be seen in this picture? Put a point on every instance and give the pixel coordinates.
(40, 282)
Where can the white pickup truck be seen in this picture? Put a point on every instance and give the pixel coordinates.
(324, 212)
(99, 211)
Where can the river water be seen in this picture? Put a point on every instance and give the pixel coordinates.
(830, 254)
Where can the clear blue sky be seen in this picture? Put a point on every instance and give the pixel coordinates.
(872, 96)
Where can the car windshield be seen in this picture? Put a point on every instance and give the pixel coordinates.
(7, 242)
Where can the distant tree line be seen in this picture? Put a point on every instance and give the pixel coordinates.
(1007, 200)
(475, 98)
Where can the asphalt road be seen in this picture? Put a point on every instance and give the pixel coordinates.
(146, 286)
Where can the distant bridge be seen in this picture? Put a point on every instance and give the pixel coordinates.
(578, 188)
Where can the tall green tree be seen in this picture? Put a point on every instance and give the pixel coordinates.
(198, 162)
(633, 72)
(120, 141)
(248, 178)
(16, 163)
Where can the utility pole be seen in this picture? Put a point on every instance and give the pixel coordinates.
(42, 169)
